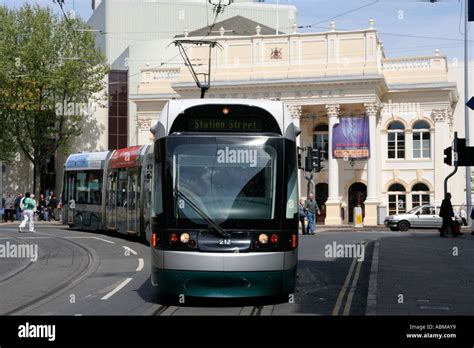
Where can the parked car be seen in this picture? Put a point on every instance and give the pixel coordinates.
(425, 216)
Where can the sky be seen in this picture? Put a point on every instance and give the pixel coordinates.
(406, 27)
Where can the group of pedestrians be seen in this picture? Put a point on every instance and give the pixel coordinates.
(23, 207)
(307, 211)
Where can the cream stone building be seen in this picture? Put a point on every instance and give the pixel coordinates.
(324, 77)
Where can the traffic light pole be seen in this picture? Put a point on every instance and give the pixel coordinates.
(466, 108)
(447, 178)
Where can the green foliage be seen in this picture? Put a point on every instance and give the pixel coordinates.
(47, 64)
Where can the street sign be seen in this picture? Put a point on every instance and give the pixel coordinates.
(470, 103)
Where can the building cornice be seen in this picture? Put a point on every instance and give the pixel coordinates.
(290, 82)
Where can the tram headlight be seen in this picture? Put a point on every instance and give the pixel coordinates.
(184, 238)
(263, 238)
(274, 239)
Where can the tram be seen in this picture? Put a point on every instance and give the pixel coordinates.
(83, 190)
(109, 190)
(225, 199)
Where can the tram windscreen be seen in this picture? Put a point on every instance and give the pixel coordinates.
(225, 180)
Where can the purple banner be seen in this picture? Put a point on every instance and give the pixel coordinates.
(350, 137)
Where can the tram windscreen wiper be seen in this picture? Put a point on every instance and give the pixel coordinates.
(205, 217)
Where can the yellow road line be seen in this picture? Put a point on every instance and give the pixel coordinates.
(340, 298)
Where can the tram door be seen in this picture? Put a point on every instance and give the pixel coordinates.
(112, 200)
(133, 201)
(70, 202)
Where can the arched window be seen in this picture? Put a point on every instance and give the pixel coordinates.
(396, 140)
(320, 139)
(421, 140)
(420, 195)
(397, 199)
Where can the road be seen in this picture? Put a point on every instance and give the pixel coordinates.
(80, 273)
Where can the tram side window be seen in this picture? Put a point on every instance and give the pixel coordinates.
(89, 187)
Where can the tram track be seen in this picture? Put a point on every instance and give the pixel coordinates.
(15, 272)
(70, 282)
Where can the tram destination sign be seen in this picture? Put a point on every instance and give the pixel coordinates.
(225, 124)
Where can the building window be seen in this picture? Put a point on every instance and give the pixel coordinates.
(420, 195)
(396, 140)
(118, 109)
(397, 199)
(421, 140)
(320, 139)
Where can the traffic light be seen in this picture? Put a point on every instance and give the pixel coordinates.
(448, 156)
(312, 160)
(464, 154)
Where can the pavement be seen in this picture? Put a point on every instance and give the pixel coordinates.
(423, 274)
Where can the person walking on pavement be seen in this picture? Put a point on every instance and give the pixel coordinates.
(302, 216)
(472, 221)
(29, 206)
(463, 215)
(311, 209)
(446, 213)
(17, 207)
(9, 207)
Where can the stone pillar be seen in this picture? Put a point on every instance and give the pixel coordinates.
(333, 204)
(441, 140)
(372, 201)
(295, 112)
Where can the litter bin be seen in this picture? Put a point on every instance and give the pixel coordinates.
(381, 213)
(358, 219)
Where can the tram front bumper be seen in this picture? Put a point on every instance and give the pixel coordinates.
(224, 275)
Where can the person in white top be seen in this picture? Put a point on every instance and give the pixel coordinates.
(463, 215)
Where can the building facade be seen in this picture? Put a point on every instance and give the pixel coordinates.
(325, 78)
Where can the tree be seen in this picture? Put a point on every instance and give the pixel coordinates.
(48, 64)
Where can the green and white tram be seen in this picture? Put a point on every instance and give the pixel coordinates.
(225, 199)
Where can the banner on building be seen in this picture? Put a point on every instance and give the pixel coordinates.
(350, 138)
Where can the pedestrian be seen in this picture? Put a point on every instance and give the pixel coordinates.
(17, 207)
(463, 215)
(29, 207)
(446, 213)
(302, 216)
(312, 208)
(9, 207)
(43, 214)
(52, 206)
(472, 221)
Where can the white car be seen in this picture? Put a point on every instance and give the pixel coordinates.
(425, 216)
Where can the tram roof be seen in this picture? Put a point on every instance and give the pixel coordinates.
(176, 107)
(86, 160)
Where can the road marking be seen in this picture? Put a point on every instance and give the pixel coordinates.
(440, 308)
(246, 311)
(342, 293)
(343, 289)
(140, 265)
(347, 307)
(101, 239)
(170, 311)
(78, 315)
(117, 289)
(129, 250)
(267, 310)
(371, 308)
